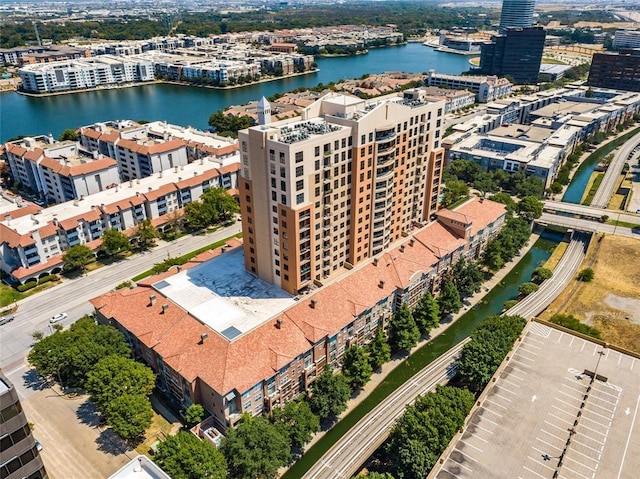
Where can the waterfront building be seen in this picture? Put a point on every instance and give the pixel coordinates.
(620, 71)
(517, 53)
(461, 43)
(219, 336)
(533, 134)
(516, 13)
(19, 456)
(33, 239)
(486, 88)
(337, 185)
(456, 99)
(626, 39)
(19, 56)
(59, 171)
(86, 73)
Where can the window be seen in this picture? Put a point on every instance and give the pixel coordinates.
(299, 171)
(299, 157)
(300, 185)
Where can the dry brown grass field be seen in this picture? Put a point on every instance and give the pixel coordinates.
(611, 302)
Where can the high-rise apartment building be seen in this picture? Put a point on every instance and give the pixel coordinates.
(516, 13)
(339, 184)
(516, 53)
(19, 457)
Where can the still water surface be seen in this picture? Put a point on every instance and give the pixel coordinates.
(21, 115)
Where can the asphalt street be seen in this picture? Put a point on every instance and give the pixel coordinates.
(72, 296)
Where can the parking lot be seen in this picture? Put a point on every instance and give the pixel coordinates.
(547, 416)
(74, 447)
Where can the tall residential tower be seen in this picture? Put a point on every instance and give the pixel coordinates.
(324, 191)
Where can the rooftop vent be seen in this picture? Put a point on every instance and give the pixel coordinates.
(203, 336)
(313, 303)
(375, 261)
(381, 284)
(279, 323)
(152, 299)
(412, 242)
(402, 248)
(164, 308)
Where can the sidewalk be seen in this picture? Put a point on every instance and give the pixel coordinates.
(378, 377)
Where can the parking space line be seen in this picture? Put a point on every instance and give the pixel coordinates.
(489, 420)
(534, 472)
(571, 343)
(471, 445)
(633, 362)
(583, 343)
(568, 404)
(572, 396)
(502, 397)
(559, 448)
(596, 422)
(597, 432)
(522, 345)
(509, 382)
(626, 446)
(496, 404)
(596, 398)
(588, 447)
(465, 454)
(597, 414)
(481, 438)
(561, 419)
(574, 450)
(483, 428)
(572, 414)
(573, 389)
(522, 356)
(601, 407)
(617, 396)
(568, 458)
(521, 364)
(449, 472)
(557, 427)
(460, 464)
(537, 461)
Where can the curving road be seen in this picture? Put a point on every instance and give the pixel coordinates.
(605, 191)
(551, 288)
(72, 296)
(347, 455)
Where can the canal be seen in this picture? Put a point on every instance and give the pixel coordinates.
(184, 105)
(491, 304)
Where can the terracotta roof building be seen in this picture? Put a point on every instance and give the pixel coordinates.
(221, 337)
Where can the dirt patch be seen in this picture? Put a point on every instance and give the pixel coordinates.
(616, 264)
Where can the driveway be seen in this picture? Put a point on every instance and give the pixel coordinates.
(73, 447)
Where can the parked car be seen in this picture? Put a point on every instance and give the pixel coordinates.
(6, 319)
(59, 317)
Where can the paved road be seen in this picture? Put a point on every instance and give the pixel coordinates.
(605, 191)
(563, 274)
(72, 296)
(587, 225)
(589, 212)
(347, 455)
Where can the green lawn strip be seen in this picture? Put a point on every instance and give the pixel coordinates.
(593, 190)
(190, 255)
(623, 224)
(9, 295)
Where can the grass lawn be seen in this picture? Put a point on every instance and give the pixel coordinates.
(8, 294)
(588, 301)
(553, 260)
(553, 61)
(592, 188)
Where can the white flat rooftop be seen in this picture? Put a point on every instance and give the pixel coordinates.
(224, 296)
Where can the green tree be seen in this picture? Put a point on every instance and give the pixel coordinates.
(221, 203)
(114, 376)
(330, 393)
(525, 289)
(424, 431)
(379, 349)
(463, 170)
(485, 183)
(69, 134)
(297, 422)
(377, 475)
(77, 256)
(229, 125)
(556, 188)
(255, 449)
(509, 304)
(403, 331)
(184, 456)
(454, 190)
(449, 299)
(571, 322)
(427, 313)
(129, 415)
(356, 367)
(586, 275)
(198, 215)
(145, 234)
(194, 414)
(72, 353)
(115, 242)
(490, 342)
(530, 208)
(505, 199)
(467, 277)
(540, 274)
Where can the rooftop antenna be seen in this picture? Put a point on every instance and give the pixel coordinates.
(35, 27)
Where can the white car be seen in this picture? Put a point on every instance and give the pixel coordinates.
(59, 317)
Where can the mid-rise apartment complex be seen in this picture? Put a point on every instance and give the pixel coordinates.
(19, 457)
(338, 184)
(218, 336)
(486, 88)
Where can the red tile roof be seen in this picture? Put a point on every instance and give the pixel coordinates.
(21, 273)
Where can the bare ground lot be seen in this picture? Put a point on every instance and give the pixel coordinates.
(607, 302)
